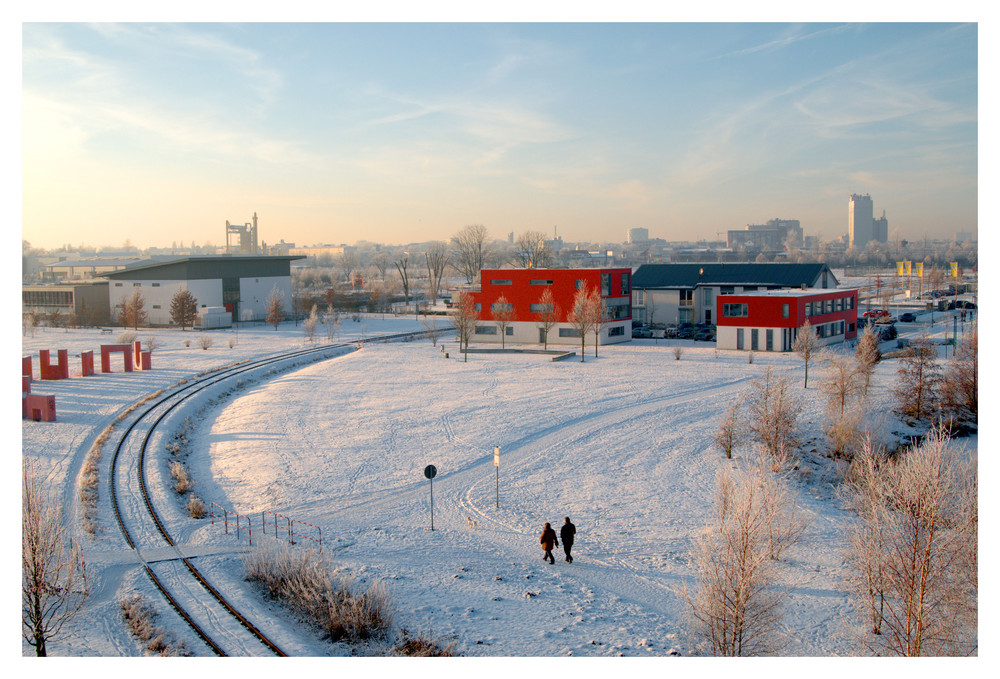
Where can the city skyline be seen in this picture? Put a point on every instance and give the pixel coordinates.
(399, 133)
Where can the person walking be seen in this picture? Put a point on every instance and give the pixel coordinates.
(568, 535)
(548, 542)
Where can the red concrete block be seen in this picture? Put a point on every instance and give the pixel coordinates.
(59, 371)
(26, 366)
(87, 363)
(108, 349)
(39, 408)
(25, 384)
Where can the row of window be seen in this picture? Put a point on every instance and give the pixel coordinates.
(829, 306)
(626, 283)
(615, 312)
(563, 332)
(46, 298)
(137, 285)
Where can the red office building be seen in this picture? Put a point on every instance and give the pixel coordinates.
(770, 321)
(523, 288)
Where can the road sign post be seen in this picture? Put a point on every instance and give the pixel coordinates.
(496, 463)
(430, 471)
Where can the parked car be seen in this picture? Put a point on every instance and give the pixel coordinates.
(704, 336)
(907, 317)
(876, 313)
(642, 332)
(685, 333)
(961, 304)
(886, 332)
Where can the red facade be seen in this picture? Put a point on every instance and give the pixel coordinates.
(524, 287)
(770, 321)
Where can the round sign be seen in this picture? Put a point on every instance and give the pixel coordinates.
(430, 471)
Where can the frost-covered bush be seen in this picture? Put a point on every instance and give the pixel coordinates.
(127, 337)
(204, 341)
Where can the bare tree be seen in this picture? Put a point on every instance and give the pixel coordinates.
(773, 415)
(184, 308)
(332, 320)
(868, 354)
(309, 325)
(913, 549)
(582, 317)
(431, 326)
(53, 573)
(599, 310)
(806, 345)
(401, 263)
(347, 262)
(548, 316)
(842, 383)
(735, 604)
(133, 310)
(960, 385)
(917, 385)
(275, 307)
(381, 263)
(465, 317)
(732, 431)
(472, 251)
(437, 257)
(531, 251)
(502, 312)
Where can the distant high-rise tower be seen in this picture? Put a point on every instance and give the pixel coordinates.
(638, 235)
(860, 222)
(881, 229)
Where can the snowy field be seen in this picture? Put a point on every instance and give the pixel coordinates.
(620, 443)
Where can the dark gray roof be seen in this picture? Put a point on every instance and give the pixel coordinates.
(683, 276)
(206, 267)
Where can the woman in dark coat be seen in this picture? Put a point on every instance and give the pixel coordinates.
(548, 542)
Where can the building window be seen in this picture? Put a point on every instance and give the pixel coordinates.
(640, 297)
(852, 303)
(501, 306)
(769, 339)
(618, 311)
(739, 338)
(541, 308)
(850, 327)
(809, 309)
(626, 283)
(727, 290)
(137, 285)
(498, 281)
(754, 339)
(486, 330)
(784, 311)
(707, 298)
(541, 282)
(479, 306)
(156, 285)
(615, 331)
(569, 332)
(605, 285)
(578, 284)
(828, 306)
(686, 297)
(156, 306)
(730, 310)
(838, 304)
(118, 285)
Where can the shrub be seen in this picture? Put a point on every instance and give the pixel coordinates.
(306, 583)
(127, 337)
(187, 343)
(678, 351)
(204, 341)
(232, 342)
(140, 616)
(195, 507)
(422, 646)
(182, 483)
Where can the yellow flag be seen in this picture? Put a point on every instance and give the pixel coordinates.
(899, 268)
(954, 269)
(919, 266)
(908, 267)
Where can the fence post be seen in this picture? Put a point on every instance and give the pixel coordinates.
(226, 521)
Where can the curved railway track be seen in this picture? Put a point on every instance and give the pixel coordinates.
(213, 619)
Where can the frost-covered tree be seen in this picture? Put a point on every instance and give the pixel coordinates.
(502, 312)
(436, 257)
(913, 548)
(806, 345)
(465, 318)
(309, 325)
(53, 571)
(960, 384)
(868, 354)
(918, 380)
(548, 316)
(732, 431)
(583, 316)
(472, 251)
(773, 415)
(735, 603)
(133, 310)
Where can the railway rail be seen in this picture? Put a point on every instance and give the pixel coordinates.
(213, 618)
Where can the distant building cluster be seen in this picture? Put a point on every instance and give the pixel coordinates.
(862, 227)
(776, 234)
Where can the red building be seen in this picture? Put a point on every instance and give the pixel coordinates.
(523, 288)
(770, 321)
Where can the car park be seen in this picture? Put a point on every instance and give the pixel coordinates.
(907, 317)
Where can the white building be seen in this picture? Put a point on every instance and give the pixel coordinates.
(241, 284)
(638, 235)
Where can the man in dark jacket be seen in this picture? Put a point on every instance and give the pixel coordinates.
(548, 542)
(568, 534)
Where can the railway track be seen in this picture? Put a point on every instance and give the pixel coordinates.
(202, 606)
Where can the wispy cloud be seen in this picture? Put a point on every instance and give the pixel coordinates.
(792, 35)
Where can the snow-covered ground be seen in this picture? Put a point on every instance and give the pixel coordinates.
(620, 443)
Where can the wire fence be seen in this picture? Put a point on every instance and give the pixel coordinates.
(278, 525)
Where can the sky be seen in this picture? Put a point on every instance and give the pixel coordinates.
(157, 133)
